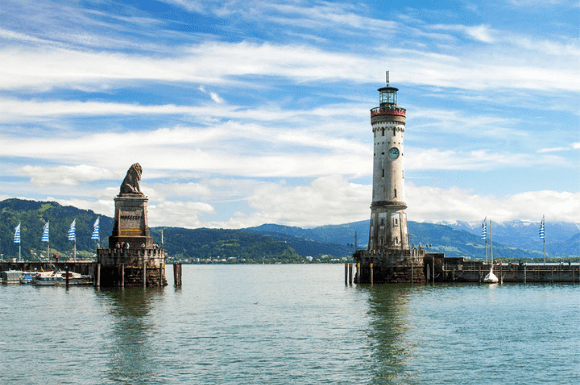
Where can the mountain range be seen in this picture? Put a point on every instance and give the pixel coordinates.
(271, 242)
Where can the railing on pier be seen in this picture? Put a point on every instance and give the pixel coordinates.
(394, 256)
(138, 256)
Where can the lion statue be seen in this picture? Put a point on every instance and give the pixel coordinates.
(130, 184)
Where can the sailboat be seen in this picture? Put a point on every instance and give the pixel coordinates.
(490, 277)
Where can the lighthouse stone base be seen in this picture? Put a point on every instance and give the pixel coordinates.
(390, 266)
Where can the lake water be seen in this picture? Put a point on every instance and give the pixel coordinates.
(290, 324)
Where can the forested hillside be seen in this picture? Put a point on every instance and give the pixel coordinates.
(267, 243)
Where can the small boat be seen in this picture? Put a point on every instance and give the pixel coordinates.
(48, 278)
(77, 278)
(10, 276)
(58, 278)
(26, 277)
(490, 277)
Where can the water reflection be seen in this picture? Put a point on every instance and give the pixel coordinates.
(131, 356)
(388, 327)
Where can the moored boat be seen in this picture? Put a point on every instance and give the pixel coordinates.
(26, 277)
(59, 277)
(48, 278)
(10, 276)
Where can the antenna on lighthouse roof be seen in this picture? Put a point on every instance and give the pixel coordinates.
(387, 78)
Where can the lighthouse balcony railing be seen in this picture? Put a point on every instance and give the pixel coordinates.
(377, 111)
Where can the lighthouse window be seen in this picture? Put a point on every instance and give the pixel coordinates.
(383, 172)
(395, 192)
(396, 240)
(395, 222)
(383, 132)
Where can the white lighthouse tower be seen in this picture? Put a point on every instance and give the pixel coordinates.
(388, 227)
(389, 259)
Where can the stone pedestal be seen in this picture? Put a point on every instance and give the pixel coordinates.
(131, 258)
(131, 222)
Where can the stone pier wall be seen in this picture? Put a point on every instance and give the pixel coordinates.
(390, 266)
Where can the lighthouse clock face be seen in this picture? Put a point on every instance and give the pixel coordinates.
(394, 153)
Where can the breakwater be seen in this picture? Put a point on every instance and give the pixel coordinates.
(442, 269)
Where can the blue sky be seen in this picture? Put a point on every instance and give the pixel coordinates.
(244, 113)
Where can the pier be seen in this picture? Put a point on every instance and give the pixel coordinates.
(81, 267)
(450, 269)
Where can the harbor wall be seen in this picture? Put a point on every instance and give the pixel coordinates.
(81, 267)
(461, 270)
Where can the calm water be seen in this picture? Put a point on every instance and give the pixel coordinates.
(290, 324)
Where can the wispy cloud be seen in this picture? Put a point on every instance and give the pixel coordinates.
(65, 175)
(249, 112)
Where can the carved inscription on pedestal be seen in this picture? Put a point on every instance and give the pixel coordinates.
(131, 222)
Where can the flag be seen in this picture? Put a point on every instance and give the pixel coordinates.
(484, 231)
(45, 233)
(542, 229)
(71, 231)
(17, 234)
(95, 230)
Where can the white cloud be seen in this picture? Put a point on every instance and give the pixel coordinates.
(481, 33)
(432, 204)
(210, 63)
(189, 189)
(178, 214)
(435, 159)
(327, 200)
(65, 175)
(102, 206)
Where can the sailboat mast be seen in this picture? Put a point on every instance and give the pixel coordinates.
(490, 244)
(484, 225)
(544, 236)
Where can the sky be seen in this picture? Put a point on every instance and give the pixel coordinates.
(250, 112)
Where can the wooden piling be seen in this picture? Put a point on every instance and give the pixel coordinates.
(98, 275)
(144, 274)
(177, 274)
(67, 271)
(346, 274)
(122, 275)
(357, 280)
(161, 275)
(372, 277)
(350, 273)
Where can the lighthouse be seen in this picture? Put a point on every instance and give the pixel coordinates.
(389, 259)
(388, 224)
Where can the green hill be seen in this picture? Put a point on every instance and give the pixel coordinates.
(231, 245)
(33, 215)
(268, 243)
